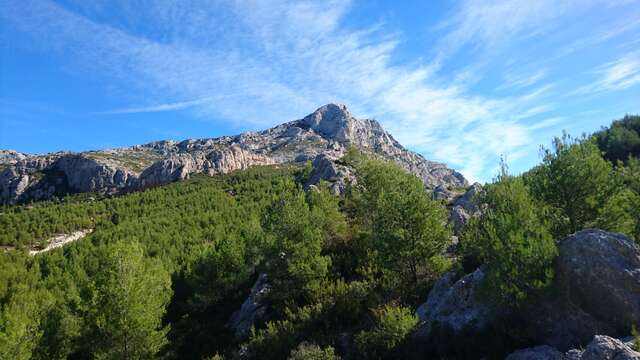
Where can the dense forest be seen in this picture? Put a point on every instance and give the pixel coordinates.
(164, 269)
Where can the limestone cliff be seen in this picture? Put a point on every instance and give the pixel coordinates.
(328, 132)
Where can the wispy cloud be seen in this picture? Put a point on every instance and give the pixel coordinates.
(616, 75)
(158, 108)
(516, 81)
(259, 63)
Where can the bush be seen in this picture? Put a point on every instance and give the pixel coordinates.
(307, 351)
(392, 326)
(574, 180)
(621, 213)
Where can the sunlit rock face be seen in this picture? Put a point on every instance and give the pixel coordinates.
(327, 132)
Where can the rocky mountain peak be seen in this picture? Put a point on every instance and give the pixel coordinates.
(332, 121)
(10, 157)
(327, 132)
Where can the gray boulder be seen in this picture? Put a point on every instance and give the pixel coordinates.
(252, 309)
(454, 304)
(597, 290)
(464, 207)
(326, 169)
(607, 348)
(602, 347)
(599, 272)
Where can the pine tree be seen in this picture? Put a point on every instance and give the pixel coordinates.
(326, 215)
(574, 180)
(405, 226)
(513, 242)
(23, 305)
(295, 264)
(132, 292)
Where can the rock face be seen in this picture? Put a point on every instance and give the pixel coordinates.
(252, 309)
(465, 207)
(454, 304)
(10, 157)
(600, 272)
(338, 177)
(327, 132)
(90, 175)
(598, 280)
(601, 348)
(597, 291)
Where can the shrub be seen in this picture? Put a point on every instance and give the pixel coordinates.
(307, 351)
(574, 180)
(621, 213)
(392, 326)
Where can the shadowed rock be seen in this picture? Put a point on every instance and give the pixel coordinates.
(252, 309)
(600, 348)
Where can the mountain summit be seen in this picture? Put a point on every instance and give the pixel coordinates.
(325, 135)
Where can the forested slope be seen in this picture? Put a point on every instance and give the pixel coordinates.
(165, 269)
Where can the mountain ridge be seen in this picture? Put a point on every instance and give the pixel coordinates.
(327, 132)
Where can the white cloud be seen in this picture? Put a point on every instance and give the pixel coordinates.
(616, 75)
(259, 63)
(159, 107)
(515, 80)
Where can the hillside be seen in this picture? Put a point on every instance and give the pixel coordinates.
(329, 131)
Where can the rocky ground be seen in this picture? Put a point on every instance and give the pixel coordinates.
(60, 240)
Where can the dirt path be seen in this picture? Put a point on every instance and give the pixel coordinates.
(60, 240)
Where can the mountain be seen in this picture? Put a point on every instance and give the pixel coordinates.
(323, 136)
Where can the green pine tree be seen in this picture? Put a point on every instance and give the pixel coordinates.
(574, 180)
(23, 305)
(513, 242)
(131, 295)
(405, 227)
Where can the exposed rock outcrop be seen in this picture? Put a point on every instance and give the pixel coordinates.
(337, 176)
(596, 291)
(600, 348)
(252, 309)
(10, 157)
(465, 207)
(60, 240)
(31, 178)
(85, 174)
(329, 131)
(454, 304)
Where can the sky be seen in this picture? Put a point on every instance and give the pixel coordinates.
(462, 82)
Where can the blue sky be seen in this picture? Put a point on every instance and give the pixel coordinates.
(459, 81)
